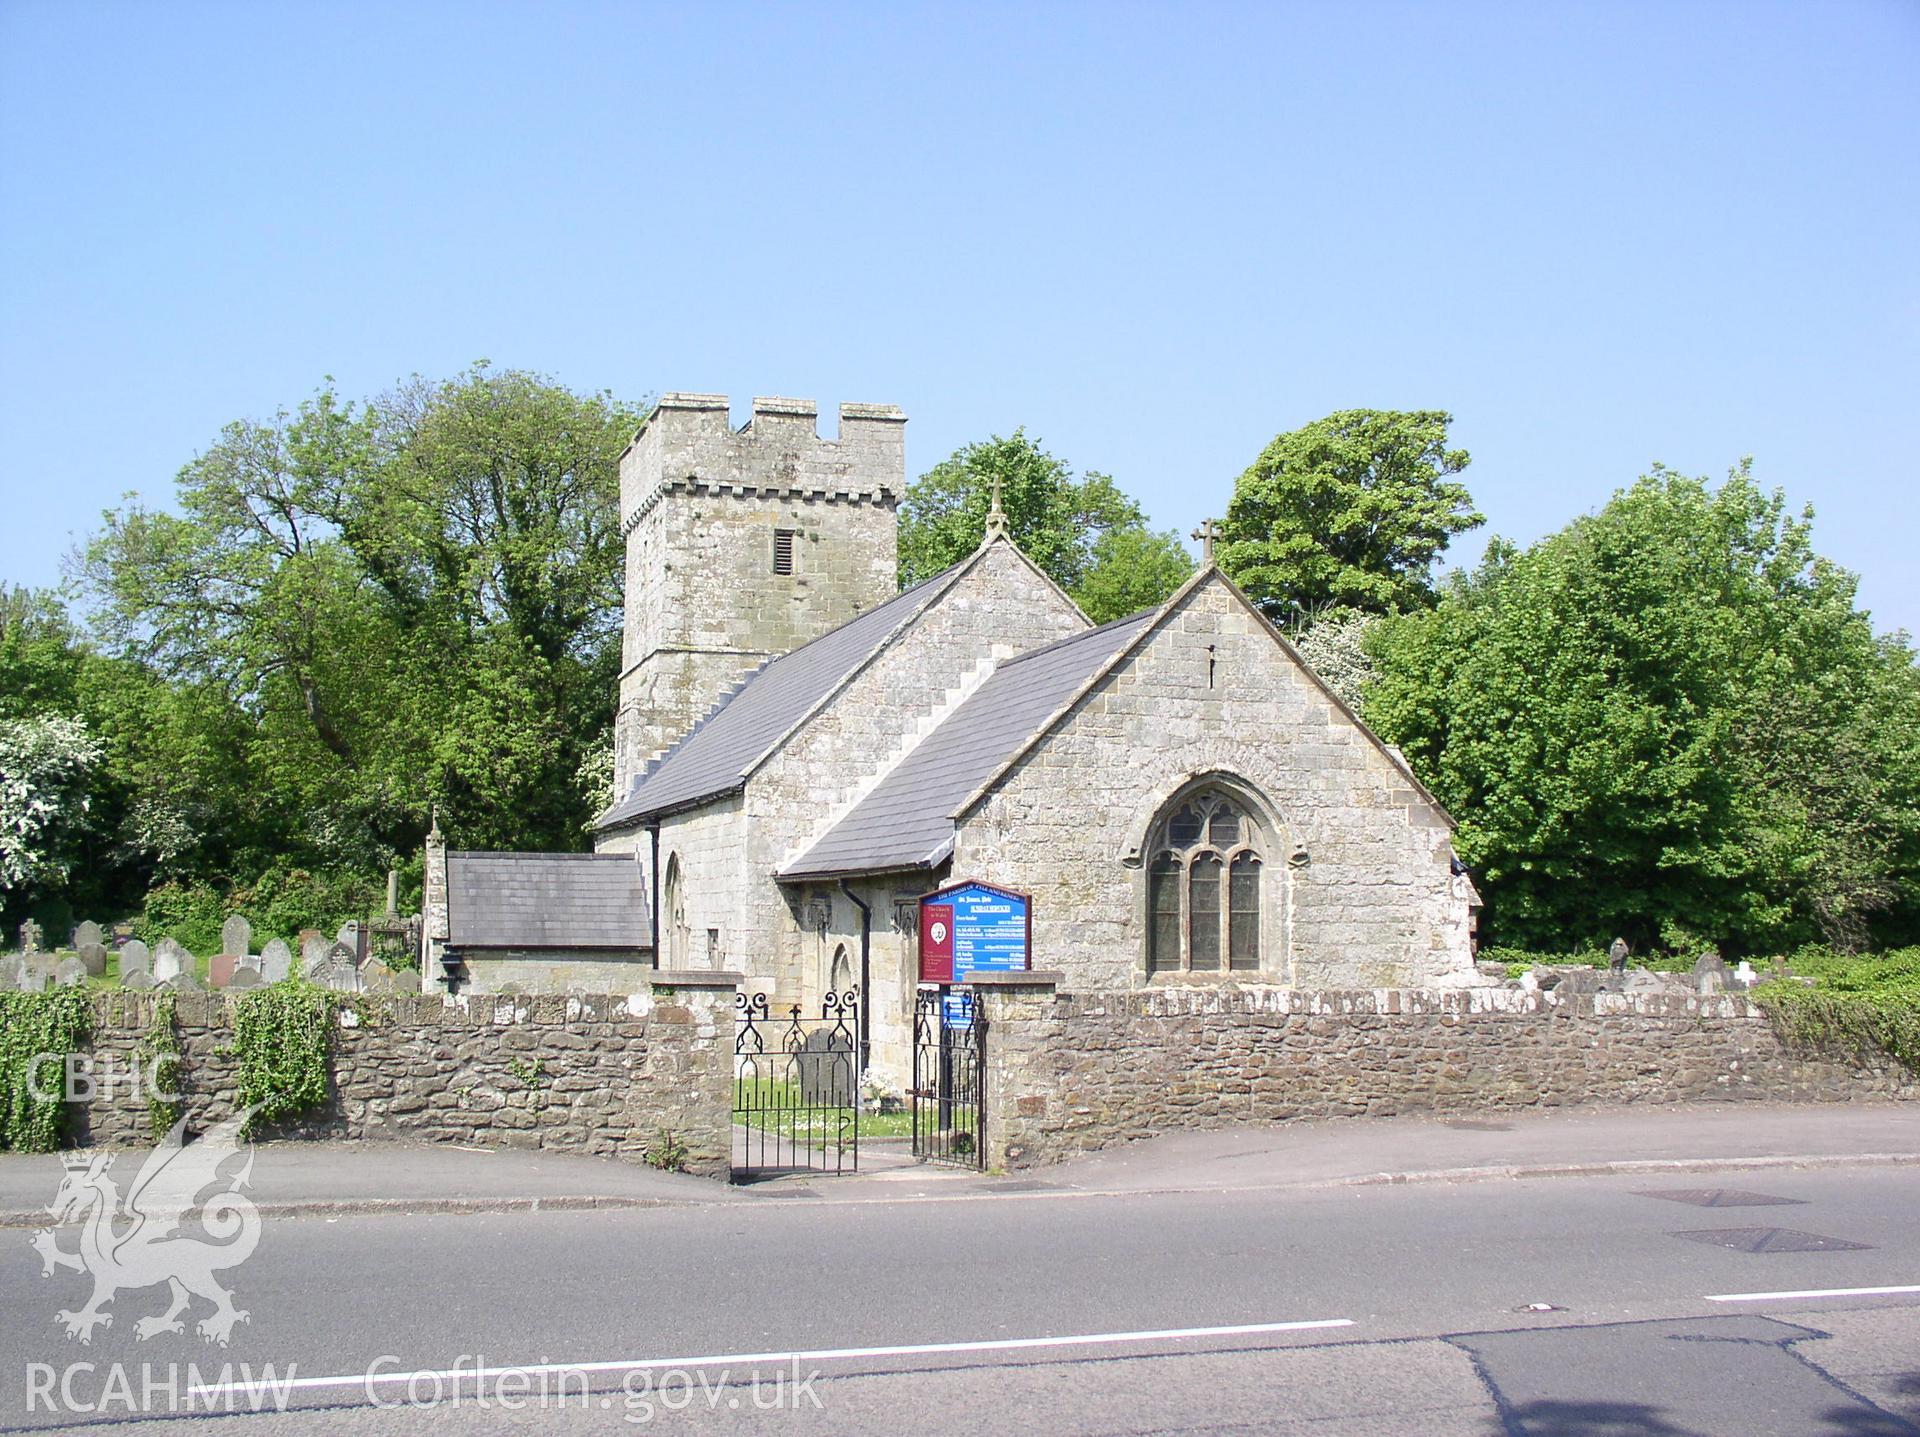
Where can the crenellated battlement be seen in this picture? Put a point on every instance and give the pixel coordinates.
(689, 443)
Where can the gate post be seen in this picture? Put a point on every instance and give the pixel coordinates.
(691, 1056)
(1021, 1062)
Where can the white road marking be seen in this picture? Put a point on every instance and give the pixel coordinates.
(370, 1380)
(1811, 1292)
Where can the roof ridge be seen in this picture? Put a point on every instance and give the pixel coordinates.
(1078, 638)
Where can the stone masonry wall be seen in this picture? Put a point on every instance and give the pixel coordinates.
(1069, 1073)
(700, 503)
(1357, 887)
(606, 1074)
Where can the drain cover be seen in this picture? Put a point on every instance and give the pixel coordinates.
(1721, 1197)
(1770, 1239)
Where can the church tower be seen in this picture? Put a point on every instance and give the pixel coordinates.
(741, 545)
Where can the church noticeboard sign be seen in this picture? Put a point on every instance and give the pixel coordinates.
(973, 928)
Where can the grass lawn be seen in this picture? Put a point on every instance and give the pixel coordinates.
(774, 1106)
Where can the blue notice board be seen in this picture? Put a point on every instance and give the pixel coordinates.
(992, 929)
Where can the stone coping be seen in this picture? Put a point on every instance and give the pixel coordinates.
(1038, 978)
(697, 978)
(1406, 1002)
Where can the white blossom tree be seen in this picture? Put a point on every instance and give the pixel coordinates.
(46, 766)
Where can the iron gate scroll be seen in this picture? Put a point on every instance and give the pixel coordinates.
(796, 1087)
(949, 1078)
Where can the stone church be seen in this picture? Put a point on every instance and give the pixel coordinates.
(803, 750)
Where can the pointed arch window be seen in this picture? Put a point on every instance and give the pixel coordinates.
(1203, 887)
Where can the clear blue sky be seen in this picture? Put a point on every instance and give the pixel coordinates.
(1601, 235)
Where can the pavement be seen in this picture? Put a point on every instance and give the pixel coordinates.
(295, 1179)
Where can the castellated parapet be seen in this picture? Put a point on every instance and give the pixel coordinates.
(743, 544)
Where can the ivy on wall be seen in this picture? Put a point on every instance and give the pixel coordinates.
(159, 1054)
(283, 1039)
(38, 1032)
(1853, 1023)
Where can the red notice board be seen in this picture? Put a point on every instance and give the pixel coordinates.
(936, 942)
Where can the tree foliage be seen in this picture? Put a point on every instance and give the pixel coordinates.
(1090, 538)
(1667, 719)
(1351, 511)
(349, 613)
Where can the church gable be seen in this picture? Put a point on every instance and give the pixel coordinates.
(1206, 711)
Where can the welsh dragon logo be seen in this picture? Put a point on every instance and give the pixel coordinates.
(140, 1242)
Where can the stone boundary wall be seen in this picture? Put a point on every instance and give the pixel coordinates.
(1071, 1072)
(608, 1074)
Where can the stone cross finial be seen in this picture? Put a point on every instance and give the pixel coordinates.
(996, 516)
(433, 833)
(1206, 534)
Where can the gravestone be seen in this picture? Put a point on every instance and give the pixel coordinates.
(30, 937)
(276, 961)
(1711, 974)
(88, 935)
(825, 1066)
(181, 982)
(170, 960)
(33, 977)
(245, 978)
(340, 977)
(135, 958)
(1744, 974)
(1574, 980)
(376, 977)
(138, 981)
(314, 950)
(349, 938)
(94, 955)
(236, 935)
(12, 971)
(406, 981)
(1645, 980)
(248, 960)
(70, 972)
(1617, 955)
(220, 969)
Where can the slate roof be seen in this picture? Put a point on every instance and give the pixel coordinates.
(717, 754)
(906, 821)
(547, 900)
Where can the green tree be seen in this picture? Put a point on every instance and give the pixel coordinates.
(1668, 721)
(1083, 532)
(1132, 569)
(1350, 511)
(358, 610)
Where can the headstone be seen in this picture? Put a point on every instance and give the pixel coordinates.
(236, 935)
(94, 955)
(376, 977)
(138, 981)
(181, 982)
(1617, 955)
(1573, 980)
(33, 977)
(220, 969)
(1710, 973)
(135, 958)
(70, 973)
(313, 950)
(406, 981)
(30, 937)
(1744, 974)
(826, 1069)
(248, 960)
(340, 977)
(12, 971)
(88, 935)
(1645, 980)
(170, 960)
(245, 978)
(349, 938)
(276, 961)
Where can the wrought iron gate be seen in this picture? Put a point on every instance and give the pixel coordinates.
(796, 1087)
(949, 1078)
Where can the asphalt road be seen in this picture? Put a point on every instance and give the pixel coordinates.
(938, 1315)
